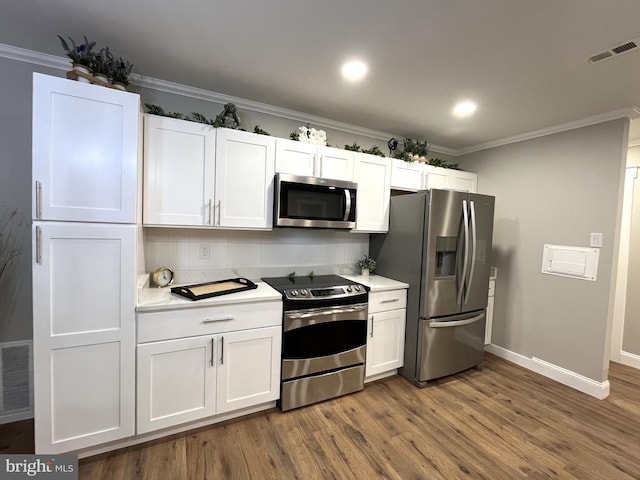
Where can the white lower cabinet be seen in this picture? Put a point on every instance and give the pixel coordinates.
(249, 370)
(385, 337)
(176, 382)
(187, 379)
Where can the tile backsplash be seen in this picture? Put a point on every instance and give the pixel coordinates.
(203, 255)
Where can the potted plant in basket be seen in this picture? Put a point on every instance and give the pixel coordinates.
(81, 56)
(366, 264)
(121, 69)
(102, 65)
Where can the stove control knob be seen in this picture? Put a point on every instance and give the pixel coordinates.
(349, 288)
(304, 291)
(294, 293)
(357, 287)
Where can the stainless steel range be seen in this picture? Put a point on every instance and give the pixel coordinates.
(324, 338)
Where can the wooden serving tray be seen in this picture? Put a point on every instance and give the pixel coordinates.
(214, 289)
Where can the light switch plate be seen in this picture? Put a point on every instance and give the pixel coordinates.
(596, 240)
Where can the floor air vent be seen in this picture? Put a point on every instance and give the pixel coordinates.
(625, 47)
(15, 381)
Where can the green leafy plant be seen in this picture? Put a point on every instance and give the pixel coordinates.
(367, 262)
(406, 157)
(354, 147)
(260, 131)
(121, 69)
(294, 136)
(103, 63)
(374, 151)
(81, 54)
(437, 162)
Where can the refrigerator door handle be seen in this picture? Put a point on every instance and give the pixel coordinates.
(465, 221)
(457, 323)
(474, 241)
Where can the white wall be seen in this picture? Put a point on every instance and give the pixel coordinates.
(554, 189)
(15, 195)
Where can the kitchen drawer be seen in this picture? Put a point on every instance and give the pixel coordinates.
(190, 322)
(492, 288)
(389, 300)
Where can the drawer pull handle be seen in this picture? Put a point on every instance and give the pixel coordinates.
(390, 300)
(221, 319)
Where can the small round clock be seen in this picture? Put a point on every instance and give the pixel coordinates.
(162, 277)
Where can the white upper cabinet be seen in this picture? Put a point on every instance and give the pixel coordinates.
(465, 181)
(298, 158)
(373, 176)
(435, 177)
(179, 162)
(335, 163)
(406, 175)
(414, 176)
(245, 167)
(85, 151)
(197, 175)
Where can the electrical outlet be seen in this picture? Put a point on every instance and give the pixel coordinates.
(596, 240)
(204, 252)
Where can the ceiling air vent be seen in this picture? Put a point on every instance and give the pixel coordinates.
(625, 47)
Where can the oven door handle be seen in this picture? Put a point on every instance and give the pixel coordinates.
(293, 321)
(296, 316)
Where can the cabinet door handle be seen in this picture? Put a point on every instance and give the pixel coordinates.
(39, 245)
(221, 350)
(38, 199)
(371, 333)
(221, 319)
(212, 357)
(219, 210)
(210, 212)
(391, 300)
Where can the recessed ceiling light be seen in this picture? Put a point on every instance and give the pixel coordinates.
(464, 109)
(354, 70)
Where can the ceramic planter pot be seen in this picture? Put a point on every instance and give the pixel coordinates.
(83, 69)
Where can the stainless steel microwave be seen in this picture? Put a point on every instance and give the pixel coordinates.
(314, 202)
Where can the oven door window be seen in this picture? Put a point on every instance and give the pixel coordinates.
(312, 202)
(324, 339)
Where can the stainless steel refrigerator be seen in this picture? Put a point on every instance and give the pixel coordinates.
(439, 242)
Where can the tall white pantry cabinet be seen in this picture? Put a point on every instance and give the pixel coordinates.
(85, 161)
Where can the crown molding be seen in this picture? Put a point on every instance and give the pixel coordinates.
(62, 63)
(629, 112)
(30, 56)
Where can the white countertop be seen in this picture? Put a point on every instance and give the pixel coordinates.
(156, 299)
(377, 283)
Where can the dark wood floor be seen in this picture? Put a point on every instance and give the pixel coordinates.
(499, 422)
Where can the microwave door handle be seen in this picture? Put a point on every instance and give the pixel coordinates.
(347, 210)
(465, 222)
(474, 241)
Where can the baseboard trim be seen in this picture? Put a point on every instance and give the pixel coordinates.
(16, 417)
(599, 390)
(630, 359)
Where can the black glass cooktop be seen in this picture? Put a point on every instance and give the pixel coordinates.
(317, 281)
